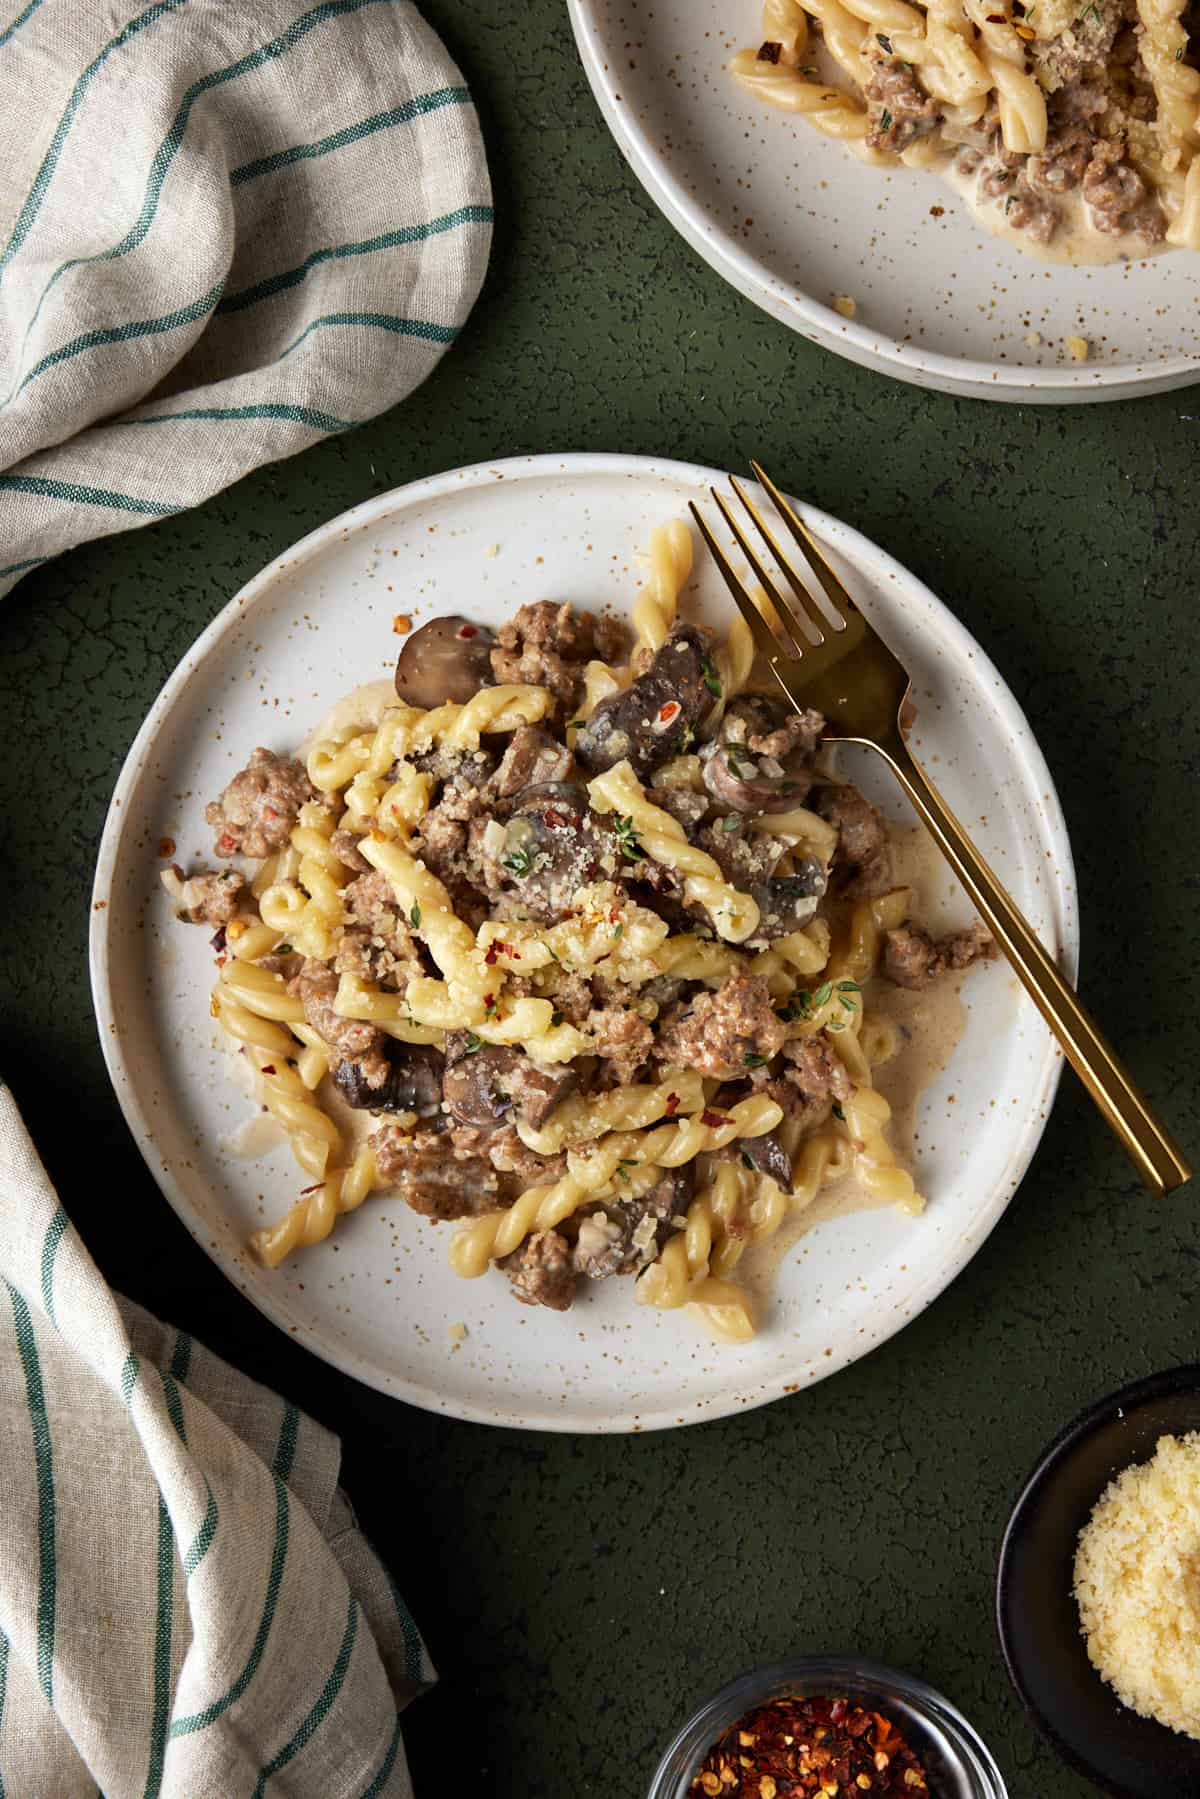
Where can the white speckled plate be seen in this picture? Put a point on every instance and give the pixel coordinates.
(378, 1299)
(792, 220)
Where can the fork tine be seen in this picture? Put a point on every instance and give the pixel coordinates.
(759, 630)
(811, 612)
(784, 616)
(843, 606)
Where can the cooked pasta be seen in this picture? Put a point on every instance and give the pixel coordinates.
(1070, 125)
(577, 964)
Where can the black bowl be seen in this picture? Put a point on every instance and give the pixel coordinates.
(1036, 1612)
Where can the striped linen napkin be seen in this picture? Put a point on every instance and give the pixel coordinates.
(187, 1609)
(226, 230)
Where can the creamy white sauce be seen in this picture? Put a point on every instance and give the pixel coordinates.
(359, 710)
(931, 1024)
(1076, 242)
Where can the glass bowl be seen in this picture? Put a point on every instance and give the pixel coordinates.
(957, 1762)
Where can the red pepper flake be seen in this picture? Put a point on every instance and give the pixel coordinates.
(489, 1002)
(709, 1117)
(467, 631)
(491, 954)
(226, 844)
(672, 1104)
(166, 846)
(667, 715)
(769, 52)
(217, 940)
(267, 1068)
(552, 817)
(315, 1188)
(811, 1746)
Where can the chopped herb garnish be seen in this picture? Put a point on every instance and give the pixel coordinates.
(885, 119)
(799, 1006)
(283, 949)
(519, 861)
(1089, 12)
(711, 679)
(835, 1024)
(628, 839)
(820, 996)
(474, 1042)
(618, 930)
(848, 987)
(688, 738)
(623, 1170)
(885, 43)
(735, 753)
(414, 917)
(752, 1059)
(489, 1003)
(577, 724)
(837, 1110)
(1009, 204)
(556, 1018)
(731, 822)
(746, 1162)
(1179, 54)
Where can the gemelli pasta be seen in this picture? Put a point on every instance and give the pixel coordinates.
(566, 946)
(1065, 123)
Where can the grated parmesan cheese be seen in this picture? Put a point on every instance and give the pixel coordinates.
(1078, 349)
(846, 304)
(1136, 1585)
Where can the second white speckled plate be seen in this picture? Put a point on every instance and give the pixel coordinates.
(792, 220)
(378, 1299)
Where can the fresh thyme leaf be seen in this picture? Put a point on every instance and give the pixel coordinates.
(820, 997)
(711, 679)
(577, 724)
(746, 1162)
(623, 1170)
(628, 839)
(752, 1059)
(474, 1042)
(556, 1018)
(730, 823)
(835, 1024)
(414, 917)
(618, 930)
(687, 740)
(848, 987)
(799, 1006)
(283, 949)
(885, 43)
(837, 1110)
(519, 861)
(848, 1004)
(885, 119)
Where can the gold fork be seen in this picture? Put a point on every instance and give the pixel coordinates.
(841, 666)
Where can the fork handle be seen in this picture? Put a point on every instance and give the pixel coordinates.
(1149, 1146)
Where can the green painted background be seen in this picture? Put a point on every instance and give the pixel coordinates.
(579, 1595)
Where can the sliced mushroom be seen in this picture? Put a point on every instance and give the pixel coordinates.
(532, 759)
(766, 1155)
(484, 1086)
(447, 659)
(553, 845)
(658, 714)
(762, 758)
(477, 1085)
(413, 1082)
(786, 902)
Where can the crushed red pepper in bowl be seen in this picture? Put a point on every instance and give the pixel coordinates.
(811, 1747)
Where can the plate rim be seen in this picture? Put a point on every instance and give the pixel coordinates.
(120, 819)
(966, 377)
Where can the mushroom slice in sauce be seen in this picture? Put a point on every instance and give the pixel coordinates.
(413, 1082)
(786, 902)
(447, 659)
(659, 713)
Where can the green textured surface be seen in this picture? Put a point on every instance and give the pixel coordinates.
(579, 1596)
